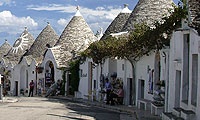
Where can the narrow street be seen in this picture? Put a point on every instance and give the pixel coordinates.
(38, 108)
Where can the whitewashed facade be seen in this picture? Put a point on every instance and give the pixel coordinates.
(184, 86)
(49, 57)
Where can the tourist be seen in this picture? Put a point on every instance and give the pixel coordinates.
(32, 84)
(119, 95)
(108, 87)
(59, 85)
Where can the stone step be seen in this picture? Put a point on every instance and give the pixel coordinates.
(187, 114)
(177, 111)
(170, 116)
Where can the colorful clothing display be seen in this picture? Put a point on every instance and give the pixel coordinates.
(151, 81)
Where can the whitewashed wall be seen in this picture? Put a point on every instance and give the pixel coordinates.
(83, 84)
(141, 73)
(124, 74)
(176, 63)
(49, 57)
(20, 75)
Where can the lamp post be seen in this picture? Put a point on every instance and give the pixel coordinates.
(1, 88)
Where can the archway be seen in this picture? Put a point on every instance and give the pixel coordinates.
(49, 74)
(23, 80)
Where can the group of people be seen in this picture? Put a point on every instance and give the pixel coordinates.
(111, 94)
(56, 86)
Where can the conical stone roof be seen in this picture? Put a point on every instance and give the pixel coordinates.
(76, 37)
(21, 45)
(47, 37)
(194, 8)
(147, 11)
(4, 49)
(118, 23)
(194, 13)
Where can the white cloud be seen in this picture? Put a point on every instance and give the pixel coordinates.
(96, 18)
(108, 12)
(97, 26)
(11, 24)
(62, 22)
(6, 2)
(7, 19)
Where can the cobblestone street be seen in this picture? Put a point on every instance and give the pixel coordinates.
(37, 108)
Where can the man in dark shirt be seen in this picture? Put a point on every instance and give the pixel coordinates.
(32, 84)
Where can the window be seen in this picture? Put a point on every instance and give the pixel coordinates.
(81, 73)
(123, 67)
(194, 79)
(185, 80)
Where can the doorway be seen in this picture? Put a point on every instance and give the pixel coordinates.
(177, 88)
(141, 84)
(23, 78)
(90, 79)
(49, 74)
(16, 88)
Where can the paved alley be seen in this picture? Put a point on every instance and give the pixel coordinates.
(38, 108)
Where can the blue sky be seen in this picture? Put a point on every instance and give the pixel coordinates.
(16, 14)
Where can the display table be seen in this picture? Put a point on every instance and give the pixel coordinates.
(157, 109)
(145, 102)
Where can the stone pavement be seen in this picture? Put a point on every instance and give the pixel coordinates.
(132, 110)
(9, 100)
(41, 108)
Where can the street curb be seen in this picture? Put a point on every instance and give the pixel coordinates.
(8, 100)
(112, 108)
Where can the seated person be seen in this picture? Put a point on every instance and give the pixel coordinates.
(119, 95)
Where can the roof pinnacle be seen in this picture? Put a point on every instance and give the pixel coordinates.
(78, 12)
(48, 22)
(101, 30)
(26, 28)
(125, 5)
(125, 9)
(78, 7)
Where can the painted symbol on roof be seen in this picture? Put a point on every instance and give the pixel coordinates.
(20, 43)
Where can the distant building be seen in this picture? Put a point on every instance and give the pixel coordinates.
(75, 38)
(9, 61)
(27, 68)
(183, 86)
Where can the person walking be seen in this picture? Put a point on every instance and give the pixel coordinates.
(32, 84)
(108, 87)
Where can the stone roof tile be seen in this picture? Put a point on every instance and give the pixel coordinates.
(47, 37)
(76, 37)
(118, 23)
(194, 14)
(147, 11)
(21, 45)
(4, 49)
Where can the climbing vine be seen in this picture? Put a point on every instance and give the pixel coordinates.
(64, 82)
(141, 41)
(74, 76)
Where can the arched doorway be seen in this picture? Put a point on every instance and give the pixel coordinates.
(23, 80)
(49, 74)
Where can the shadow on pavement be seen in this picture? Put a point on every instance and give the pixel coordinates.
(83, 109)
(65, 117)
